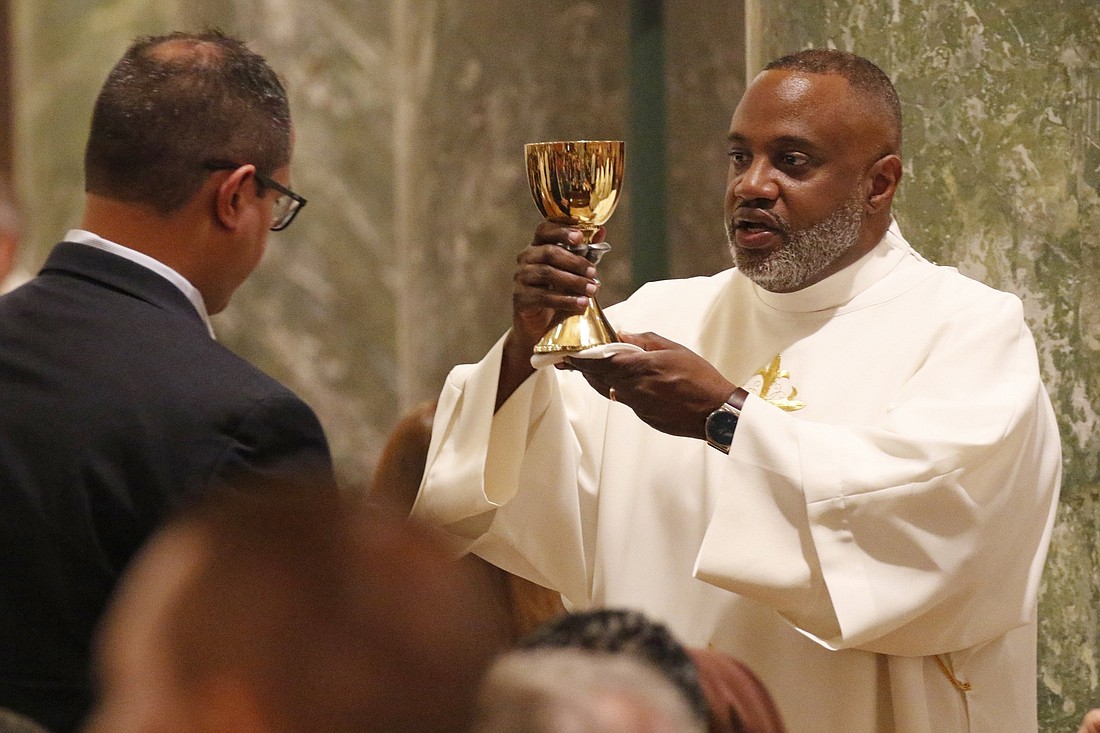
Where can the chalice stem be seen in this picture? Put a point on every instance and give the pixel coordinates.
(597, 314)
(576, 333)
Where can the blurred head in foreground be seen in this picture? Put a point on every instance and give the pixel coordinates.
(718, 688)
(624, 632)
(575, 690)
(291, 612)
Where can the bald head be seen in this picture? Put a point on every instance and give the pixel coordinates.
(318, 616)
(870, 83)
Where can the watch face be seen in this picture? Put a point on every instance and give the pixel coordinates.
(720, 427)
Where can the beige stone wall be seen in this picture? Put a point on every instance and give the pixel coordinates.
(411, 116)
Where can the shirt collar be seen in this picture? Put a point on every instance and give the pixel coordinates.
(81, 236)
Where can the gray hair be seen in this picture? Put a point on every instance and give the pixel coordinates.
(570, 690)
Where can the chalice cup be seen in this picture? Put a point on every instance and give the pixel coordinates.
(581, 181)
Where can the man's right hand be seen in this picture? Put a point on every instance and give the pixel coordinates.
(550, 283)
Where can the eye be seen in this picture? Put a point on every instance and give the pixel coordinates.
(738, 158)
(793, 160)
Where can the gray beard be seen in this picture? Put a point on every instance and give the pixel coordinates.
(804, 253)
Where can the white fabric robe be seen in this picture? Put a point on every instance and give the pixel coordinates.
(854, 553)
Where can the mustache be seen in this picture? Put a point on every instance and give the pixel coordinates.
(747, 214)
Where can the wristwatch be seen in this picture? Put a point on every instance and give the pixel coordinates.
(720, 426)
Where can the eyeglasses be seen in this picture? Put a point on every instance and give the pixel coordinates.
(286, 207)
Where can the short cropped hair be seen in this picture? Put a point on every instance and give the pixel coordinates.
(176, 102)
(863, 76)
(628, 632)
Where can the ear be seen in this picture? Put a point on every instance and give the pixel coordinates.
(885, 174)
(232, 194)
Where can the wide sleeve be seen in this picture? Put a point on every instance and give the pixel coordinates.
(517, 487)
(922, 533)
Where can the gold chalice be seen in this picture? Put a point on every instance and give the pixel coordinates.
(579, 180)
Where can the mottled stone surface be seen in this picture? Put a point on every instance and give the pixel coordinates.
(411, 116)
(410, 120)
(1002, 113)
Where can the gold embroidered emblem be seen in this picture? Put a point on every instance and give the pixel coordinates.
(773, 383)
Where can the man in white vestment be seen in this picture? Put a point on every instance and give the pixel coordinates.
(836, 462)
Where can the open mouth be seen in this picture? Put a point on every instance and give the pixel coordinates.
(756, 227)
(753, 227)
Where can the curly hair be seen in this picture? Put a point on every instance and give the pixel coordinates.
(628, 632)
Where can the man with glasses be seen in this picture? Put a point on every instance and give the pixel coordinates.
(119, 405)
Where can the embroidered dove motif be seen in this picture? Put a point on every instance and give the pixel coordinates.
(773, 383)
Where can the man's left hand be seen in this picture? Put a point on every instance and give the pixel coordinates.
(670, 387)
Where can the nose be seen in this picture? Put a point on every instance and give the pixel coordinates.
(756, 180)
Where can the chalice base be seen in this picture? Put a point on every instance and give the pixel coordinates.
(577, 333)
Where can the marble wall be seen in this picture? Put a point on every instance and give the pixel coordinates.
(1001, 102)
(411, 116)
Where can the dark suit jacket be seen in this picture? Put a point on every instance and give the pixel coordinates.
(116, 406)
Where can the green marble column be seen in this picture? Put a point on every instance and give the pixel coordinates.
(1001, 102)
(647, 139)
